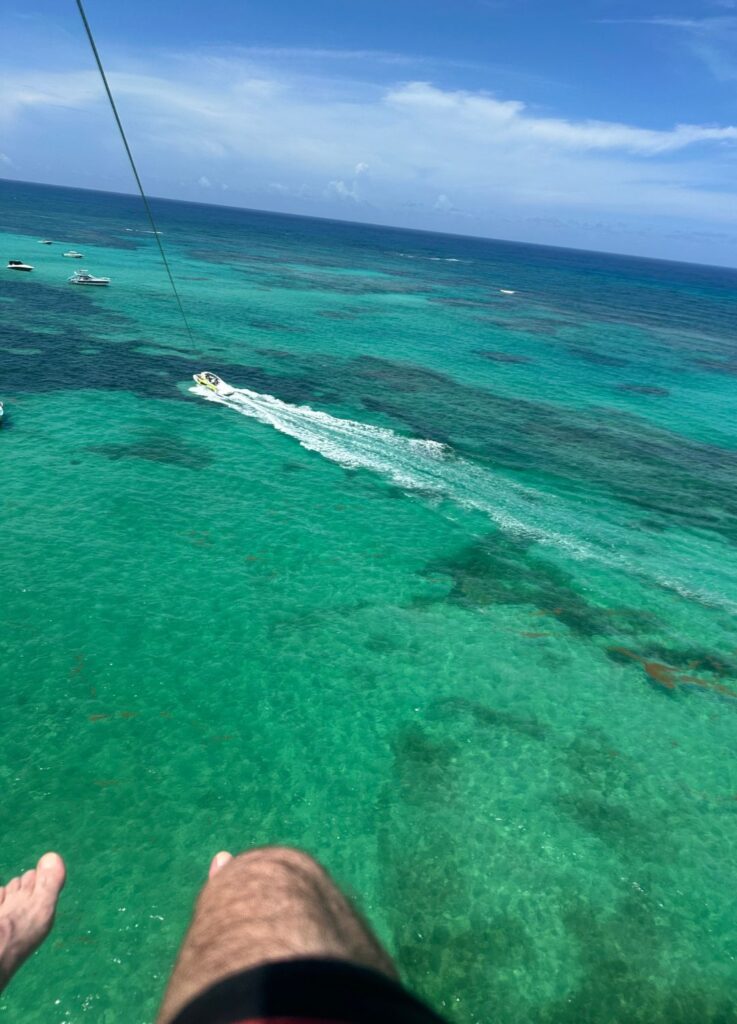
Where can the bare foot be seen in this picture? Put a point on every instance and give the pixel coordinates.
(27, 905)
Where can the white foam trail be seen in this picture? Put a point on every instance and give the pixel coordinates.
(432, 468)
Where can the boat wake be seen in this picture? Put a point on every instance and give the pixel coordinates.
(435, 471)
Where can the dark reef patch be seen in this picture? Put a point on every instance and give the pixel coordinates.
(338, 314)
(643, 389)
(465, 303)
(725, 366)
(53, 326)
(677, 479)
(618, 951)
(594, 763)
(499, 569)
(488, 717)
(381, 643)
(500, 357)
(541, 328)
(695, 658)
(621, 946)
(684, 481)
(299, 280)
(172, 451)
(668, 678)
(260, 324)
(425, 766)
(654, 525)
(612, 823)
(275, 353)
(397, 377)
(590, 355)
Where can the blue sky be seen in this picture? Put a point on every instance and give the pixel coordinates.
(603, 124)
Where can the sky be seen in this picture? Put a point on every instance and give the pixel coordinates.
(597, 124)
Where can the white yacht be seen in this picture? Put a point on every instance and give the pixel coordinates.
(19, 265)
(74, 255)
(206, 379)
(84, 277)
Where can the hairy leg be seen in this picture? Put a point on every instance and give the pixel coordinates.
(273, 903)
(27, 906)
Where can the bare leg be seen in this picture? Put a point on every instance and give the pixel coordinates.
(27, 905)
(273, 903)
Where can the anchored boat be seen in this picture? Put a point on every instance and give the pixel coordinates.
(84, 277)
(19, 265)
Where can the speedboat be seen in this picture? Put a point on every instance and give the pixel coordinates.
(45, 241)
(213, 382)
(2, 413)
(84, 277)
(74, 255)
(19, 265)
(507, 291)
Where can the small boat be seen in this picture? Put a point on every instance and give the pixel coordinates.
(19, 265)
(2, 413)
(74, 255)
(45, 241)
(84, 277)
(213, 382)
(506, 291)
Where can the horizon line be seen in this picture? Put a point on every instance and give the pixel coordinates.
(374, 224)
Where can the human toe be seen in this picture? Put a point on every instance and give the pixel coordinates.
(219, 861)
(50, 873)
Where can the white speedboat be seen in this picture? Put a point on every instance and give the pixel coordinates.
(84, 277)
(19, 265)
(74, 255)
(213, 382)
(45, 241)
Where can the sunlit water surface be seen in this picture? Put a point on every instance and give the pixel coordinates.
(445, 593)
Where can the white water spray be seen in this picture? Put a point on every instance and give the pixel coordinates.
(433, 469)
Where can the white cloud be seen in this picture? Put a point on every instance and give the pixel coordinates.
(302, 191)
(306, 53)
(481, 115)
(443, 203)
(339, 189)
(342, 191)
(230, 107)
(284, 135)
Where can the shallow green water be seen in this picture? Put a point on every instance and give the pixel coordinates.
(490, 681)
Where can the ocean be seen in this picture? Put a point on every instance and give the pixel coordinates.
(445, 594)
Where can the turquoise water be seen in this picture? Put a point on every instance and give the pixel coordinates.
(445, 595)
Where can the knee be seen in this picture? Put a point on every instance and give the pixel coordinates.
(280, 859)
(274, 864)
